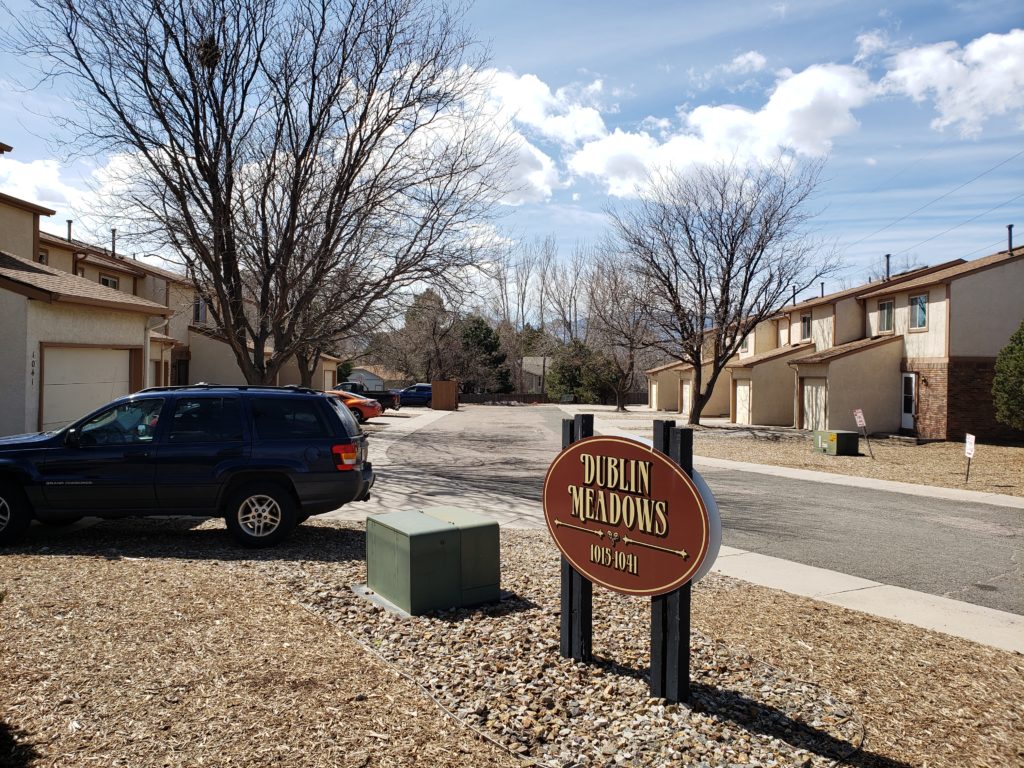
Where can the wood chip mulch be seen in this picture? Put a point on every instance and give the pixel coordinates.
(143, 643)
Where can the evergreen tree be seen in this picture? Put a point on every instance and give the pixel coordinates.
(1008, 384)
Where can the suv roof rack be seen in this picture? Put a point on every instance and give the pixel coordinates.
(242, 387)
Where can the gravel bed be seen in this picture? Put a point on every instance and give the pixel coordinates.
(498, 669)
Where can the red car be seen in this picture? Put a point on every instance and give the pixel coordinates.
(362, 408)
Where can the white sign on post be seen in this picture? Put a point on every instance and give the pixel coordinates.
(969, 446)
(858, 416)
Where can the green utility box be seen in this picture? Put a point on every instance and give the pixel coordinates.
(434, 558)
(836, 442)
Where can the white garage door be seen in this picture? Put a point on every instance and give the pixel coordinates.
(76, 381)
(815, 398)
(742, 401)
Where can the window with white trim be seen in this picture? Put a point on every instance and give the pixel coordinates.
(110, 281)
(886, 310)
(805, 326)
(919, 311)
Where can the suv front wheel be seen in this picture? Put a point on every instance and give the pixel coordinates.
(14, 513)
(260, 514)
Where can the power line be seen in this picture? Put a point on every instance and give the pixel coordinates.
(937, 199)
(967, 221)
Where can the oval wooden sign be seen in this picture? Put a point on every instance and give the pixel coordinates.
(626, 516)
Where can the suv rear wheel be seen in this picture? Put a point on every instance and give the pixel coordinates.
(14, 513)
(260, 514)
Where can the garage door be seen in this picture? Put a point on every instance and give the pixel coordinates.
(742, 401)
(815, 401)
(76, 381)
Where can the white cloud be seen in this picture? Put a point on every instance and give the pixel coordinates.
(871, 161)
(568, 115)
(870, 43)
(751, 61)
(969, 85)
(533, 176)
(805, 113)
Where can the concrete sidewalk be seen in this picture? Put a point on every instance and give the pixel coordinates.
(972, 622)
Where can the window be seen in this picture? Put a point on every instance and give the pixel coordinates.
(44, 256)
(128, 423)
(206, 420)
(745, 344)
(110, 282)
(198, 310)
(283, 418)
(919, 311)
(885, 316)
(805, 327)
(81, 271)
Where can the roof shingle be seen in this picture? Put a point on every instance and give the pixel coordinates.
(54, 285)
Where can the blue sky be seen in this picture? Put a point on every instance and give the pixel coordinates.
(907, 101)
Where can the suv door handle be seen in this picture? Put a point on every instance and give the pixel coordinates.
(227, 453)
(136, 454)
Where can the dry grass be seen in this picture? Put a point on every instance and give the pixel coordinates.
(170, 662)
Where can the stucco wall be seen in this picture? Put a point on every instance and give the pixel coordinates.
(718, 405)
(783, 332)
(77, 324)
(212, 361)
(60, 257)
(17, 231)
(986, 308)
(289, 373)
(668, 390)
(822, 333)
(180, 300)
(869, 380)
(932, 341)
(849, 320)
(16, 371)
(772, 392)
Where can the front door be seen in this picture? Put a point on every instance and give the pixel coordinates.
(909, 401)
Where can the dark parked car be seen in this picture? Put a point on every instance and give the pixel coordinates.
(264, 458)
(417, 394)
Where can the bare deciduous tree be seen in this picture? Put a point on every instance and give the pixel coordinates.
(620, 319)
(303, 159)
(566, 294)
(719, 247)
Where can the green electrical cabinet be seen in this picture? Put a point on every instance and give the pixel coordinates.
(837, 442)
(432, 559)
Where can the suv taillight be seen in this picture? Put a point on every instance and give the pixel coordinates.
(345, 456)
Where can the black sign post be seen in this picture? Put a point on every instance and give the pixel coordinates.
(577, 619)
(670, 613)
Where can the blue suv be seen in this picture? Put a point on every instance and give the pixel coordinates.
(263, 458)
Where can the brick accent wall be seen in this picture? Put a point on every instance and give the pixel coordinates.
(970, 403)
(932, 398)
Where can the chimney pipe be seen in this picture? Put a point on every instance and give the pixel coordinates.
(1009, 239)
(823, 289)
(794, 295)
(113, 241)
(887, 265)
(69, 229)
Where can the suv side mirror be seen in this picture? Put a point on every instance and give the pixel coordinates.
(73, 439)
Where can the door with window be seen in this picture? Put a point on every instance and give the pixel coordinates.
(112, 466)
(909, 400)
(203, 440)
